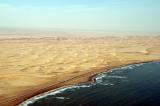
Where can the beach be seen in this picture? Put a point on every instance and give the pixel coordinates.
(133, 83)
(30, 66)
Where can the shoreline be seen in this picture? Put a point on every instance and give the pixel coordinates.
(31, 67)
(91, 79)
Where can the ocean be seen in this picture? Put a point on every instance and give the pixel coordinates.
(132, 85)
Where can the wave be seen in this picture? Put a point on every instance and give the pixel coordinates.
(109, 78)
(62, 98)
(58, 91)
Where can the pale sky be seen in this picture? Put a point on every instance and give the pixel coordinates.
(99, 15)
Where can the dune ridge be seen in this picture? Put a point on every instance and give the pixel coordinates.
(29, 66)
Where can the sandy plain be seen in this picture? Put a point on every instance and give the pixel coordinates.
(30, 66)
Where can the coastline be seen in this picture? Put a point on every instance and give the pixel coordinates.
(33, 66)
(91, 79)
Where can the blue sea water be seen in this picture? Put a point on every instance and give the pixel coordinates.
(132, 85)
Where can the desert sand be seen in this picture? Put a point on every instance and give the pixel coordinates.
(30, 66)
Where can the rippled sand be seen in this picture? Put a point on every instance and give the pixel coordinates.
(29, 66)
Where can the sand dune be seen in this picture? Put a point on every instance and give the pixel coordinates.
(30, 66)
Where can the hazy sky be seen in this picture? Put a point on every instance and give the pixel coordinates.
(106, 15)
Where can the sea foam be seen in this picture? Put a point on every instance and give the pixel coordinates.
(102, 79)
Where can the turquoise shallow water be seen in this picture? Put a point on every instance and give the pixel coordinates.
(132, 85)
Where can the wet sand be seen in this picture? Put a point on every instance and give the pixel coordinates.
(104, 84)
(30, 66)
